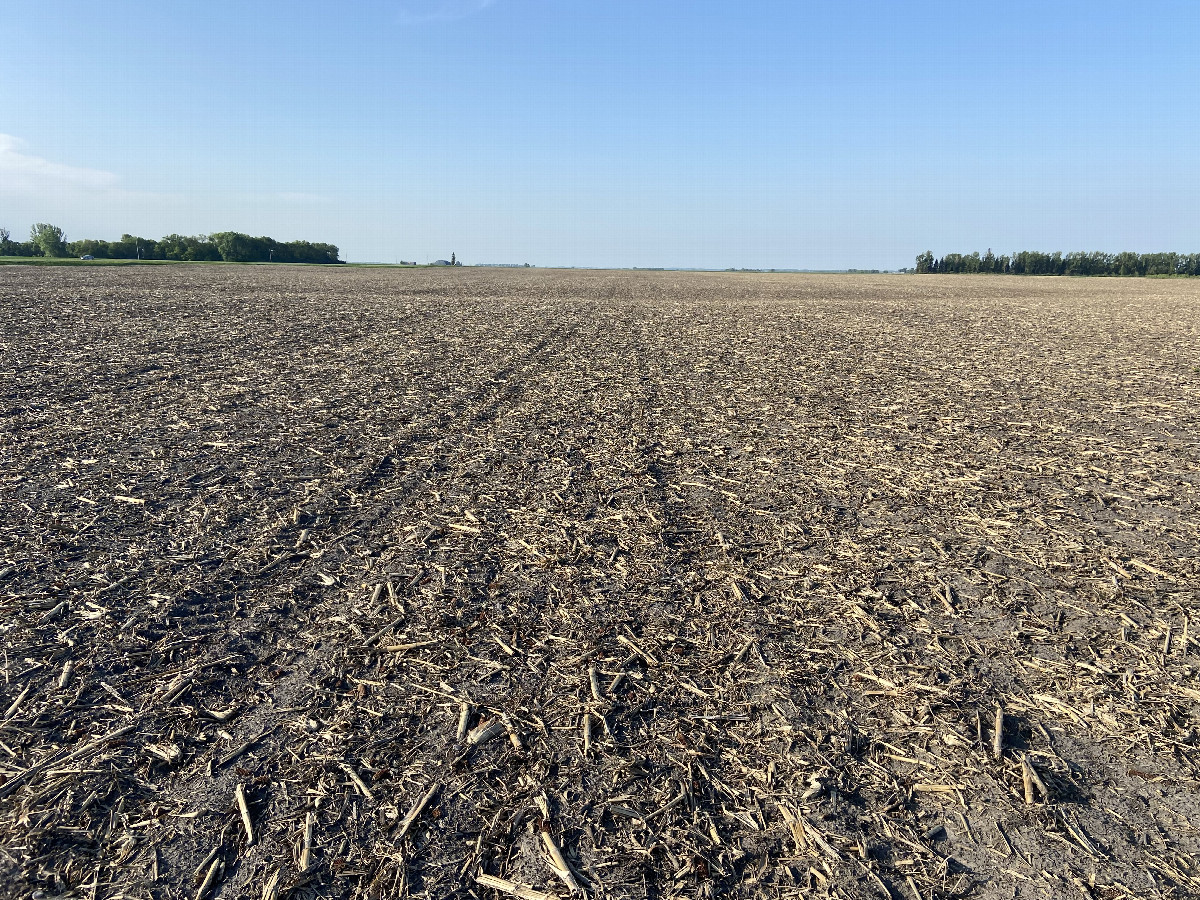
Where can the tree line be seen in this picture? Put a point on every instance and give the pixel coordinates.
(1031, 262)
(222, 246)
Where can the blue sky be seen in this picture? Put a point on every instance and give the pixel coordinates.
(614, 133)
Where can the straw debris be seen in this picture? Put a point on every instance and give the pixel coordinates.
(364, 583)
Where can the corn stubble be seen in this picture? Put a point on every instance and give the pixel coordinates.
(370, 583)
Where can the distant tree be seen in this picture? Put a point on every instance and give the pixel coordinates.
(89, 247)
(49, 239)
(130, 246)
(1159, 263)
(174, 246)
(9, 247)
(304, 252)
(1078, 263)
(188, 249)
(231, 246)
(453, 260)
(236, 247)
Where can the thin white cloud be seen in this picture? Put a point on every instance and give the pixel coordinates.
(440, 10)
(22, 174)
(88, 201)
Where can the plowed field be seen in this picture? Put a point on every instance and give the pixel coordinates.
(386, 583)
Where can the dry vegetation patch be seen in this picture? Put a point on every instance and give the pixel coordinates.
(468, 583)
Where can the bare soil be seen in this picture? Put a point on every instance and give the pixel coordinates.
(436, 582)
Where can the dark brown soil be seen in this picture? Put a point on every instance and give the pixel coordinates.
(294, 533)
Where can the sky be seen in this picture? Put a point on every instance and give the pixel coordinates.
(689, 133)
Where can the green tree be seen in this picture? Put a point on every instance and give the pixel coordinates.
(237, 247)
(49, 239)
(187, 249)
(89, 247)
(234, 246)
(130, 246)
(925, 263)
